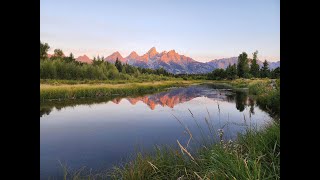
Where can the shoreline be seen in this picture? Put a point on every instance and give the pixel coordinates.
(76, 91)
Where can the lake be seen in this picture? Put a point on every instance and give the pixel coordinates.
(100, 133)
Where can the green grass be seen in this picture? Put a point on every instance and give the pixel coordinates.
(253, 155)
(67, 91)
(262, 90)
(267, 95)
(256, 155)
(149, 78)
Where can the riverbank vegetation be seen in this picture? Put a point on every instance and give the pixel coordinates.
(245, 68)
(255, 154)
(265, 91)
(61, 67)
(76, 91)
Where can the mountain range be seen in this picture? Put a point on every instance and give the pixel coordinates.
(176, 96)
(224, 62)
(172, 62)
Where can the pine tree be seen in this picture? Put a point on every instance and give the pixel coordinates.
(71, 57)
(118, 65)
(254, 68)
(275, 74)
(265, 72)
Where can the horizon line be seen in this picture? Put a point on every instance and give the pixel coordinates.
(67, 52)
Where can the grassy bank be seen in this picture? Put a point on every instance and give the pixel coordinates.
(47, 106)
(154, 78)
(265, 91)
(75, 91)
(254, 155)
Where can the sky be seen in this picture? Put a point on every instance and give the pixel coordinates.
(203, 30)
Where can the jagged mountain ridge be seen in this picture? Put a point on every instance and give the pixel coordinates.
(173, 62)
(176, 96)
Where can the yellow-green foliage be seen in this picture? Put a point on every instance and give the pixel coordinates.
(255, 155)
(66, 91)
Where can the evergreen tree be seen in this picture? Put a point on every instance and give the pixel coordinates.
(265, 72)
(243, 66)
(254, 68)
(70, 58)
(118, 65)
(275, 74)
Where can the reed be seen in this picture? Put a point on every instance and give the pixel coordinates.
(253, 155)
(67, 91)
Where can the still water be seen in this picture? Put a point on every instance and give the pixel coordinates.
(99, 134)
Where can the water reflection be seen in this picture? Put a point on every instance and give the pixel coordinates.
(169, 98)
(98, 133)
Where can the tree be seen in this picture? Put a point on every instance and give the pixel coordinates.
(218, 74)
(70, 58)
(241, 99)
(231, 71)
(254, 68)
(58, 53)
(234, 71)
(243, 66)
(118, 65)
(275, 74)
(44, 50)
(265, 72)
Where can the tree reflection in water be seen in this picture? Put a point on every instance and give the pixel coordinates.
(168, 98)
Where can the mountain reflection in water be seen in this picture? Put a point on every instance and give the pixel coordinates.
(169, 98)
(99, 132)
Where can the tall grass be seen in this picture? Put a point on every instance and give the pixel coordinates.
(267, 94)
(255, 154)
(131, 79)
(103, 90)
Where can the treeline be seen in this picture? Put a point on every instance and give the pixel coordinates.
(243, 70)
(59, 66)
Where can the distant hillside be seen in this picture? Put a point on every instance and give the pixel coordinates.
(224, 62)
(172, 62)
